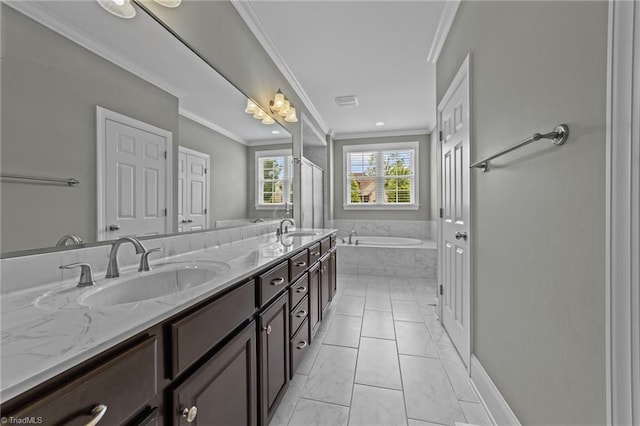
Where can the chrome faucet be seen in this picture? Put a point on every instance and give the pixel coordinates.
(86, 274)
(258, 220)
(279, 231)
(113, 271)
(351, 234)
(69, 237)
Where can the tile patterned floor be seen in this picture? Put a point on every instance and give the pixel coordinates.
(381, 358)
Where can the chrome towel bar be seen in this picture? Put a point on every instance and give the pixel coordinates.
(559, 136)
(67, 181)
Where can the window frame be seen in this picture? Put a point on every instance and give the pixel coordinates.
(287, 181)
(379, 149)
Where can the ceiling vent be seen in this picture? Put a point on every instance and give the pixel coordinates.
(347, 101)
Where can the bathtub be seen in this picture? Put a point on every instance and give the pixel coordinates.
(385, 241)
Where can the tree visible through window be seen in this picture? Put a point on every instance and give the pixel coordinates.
(381, 176)
(274, 178)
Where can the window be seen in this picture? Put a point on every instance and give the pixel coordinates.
(274, 170)
(381, 175)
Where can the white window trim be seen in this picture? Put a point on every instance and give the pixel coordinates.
(390, 146)
(258, 156)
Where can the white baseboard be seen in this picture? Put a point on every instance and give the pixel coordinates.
(490, 396)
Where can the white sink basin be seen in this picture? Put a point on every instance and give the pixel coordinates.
(151, 285)
(301, 234)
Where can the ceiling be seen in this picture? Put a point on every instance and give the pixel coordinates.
(376, 50)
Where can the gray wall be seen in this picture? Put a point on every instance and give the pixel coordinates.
(423, 213)
(228, 174)
(539, 225)
(50, 89)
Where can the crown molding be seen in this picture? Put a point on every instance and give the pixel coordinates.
(43, 17)
(211, 125)
(251, 19)
(390, 133)
(444, 25)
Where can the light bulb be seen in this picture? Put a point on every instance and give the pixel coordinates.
(291, 117)
(278, 101)
(119, 2)
(284, 111)
(120, 8)
(251, 107)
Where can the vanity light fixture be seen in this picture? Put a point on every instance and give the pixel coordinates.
(280, 105)
(120, 8)
(258, 113)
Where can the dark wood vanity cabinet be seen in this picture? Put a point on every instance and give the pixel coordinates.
(273, 362)
(224, 361)
(223, 391)
(333, 272)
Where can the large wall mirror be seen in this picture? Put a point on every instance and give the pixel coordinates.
(99, 99)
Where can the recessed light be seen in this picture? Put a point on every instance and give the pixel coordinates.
(275, 132)
(380, 123)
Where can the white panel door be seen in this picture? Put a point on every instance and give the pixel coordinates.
(453, 117)
(193, 190)
(135, 184)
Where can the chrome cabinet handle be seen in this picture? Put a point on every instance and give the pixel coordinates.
(301, 289)
(267, 329)
(301, 345)
(114, 227)
(277, 281)
(98, 413)
(190, 414)
(301, 264)
(301, 314)
(315, 253)
(461, 235)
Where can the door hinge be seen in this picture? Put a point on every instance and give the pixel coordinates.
(440, 135)
(166, 212)
(205, 211)
(441, 213)
(441, 290)
(205, 171)
(165, 155)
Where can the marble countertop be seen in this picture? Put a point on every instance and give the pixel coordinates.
(45, 331)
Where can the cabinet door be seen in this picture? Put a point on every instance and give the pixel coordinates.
(273, 341)
(223, 390)
(333, 273)
(314, 299)
(325, 283)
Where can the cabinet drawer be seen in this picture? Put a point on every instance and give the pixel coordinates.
(298, 290)
(194, 335)
(298, 264)
(272, 282)
(298, 315)
(325, 245)
(314, 253)
(299, 346)
(123, 384)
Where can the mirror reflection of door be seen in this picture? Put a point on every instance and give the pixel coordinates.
(134, 177)
(193, 190)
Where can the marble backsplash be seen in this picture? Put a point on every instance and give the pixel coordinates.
(25, 272)
(421, 229)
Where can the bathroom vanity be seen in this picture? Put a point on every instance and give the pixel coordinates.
(222, 353)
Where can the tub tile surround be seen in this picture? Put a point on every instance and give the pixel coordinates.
(40, 340)
(420, 229)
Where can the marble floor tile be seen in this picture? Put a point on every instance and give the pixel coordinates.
(331, 377)
(404, 310)
(427, 391)
(414, 339)
(344, 331)
(378, 302)
(457, 373)
(378, 324)
(315, 413)
(307, 362)
(378, 364)
(475, 414)
(351, 305)
(289, 401)
(356, 290)
(376, 406)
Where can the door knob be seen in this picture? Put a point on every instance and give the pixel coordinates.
(184, 221)
(190, 414)
(189, 220)
(114, 227)
(461, 236)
